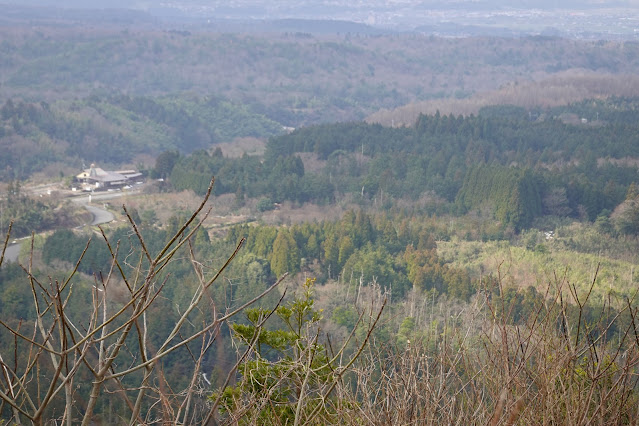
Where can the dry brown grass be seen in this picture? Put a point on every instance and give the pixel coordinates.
(474, 366)
(288, 213)
(240, 146)
(471, 364)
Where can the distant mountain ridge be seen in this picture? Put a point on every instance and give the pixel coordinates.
(590, 19)
(371, 4)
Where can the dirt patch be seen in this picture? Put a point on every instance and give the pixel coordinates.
(241, 146)
(287, 213)
(223, 212)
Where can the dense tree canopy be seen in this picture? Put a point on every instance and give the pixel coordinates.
(519, 164)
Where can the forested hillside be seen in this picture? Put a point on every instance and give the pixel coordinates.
(292, 78)
(559, 89)
(71, 95)
(116, 130)
(419, 267)
(521, 164)
(363, 263)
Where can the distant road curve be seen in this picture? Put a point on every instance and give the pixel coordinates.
(100, 216)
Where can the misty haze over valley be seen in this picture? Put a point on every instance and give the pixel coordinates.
(378, 212)
(589, 19)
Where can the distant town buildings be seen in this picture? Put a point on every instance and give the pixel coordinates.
(95, 178)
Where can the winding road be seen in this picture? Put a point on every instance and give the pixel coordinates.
(100, 216)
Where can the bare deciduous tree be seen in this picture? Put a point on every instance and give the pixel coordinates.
(557, 367)
(53, 353)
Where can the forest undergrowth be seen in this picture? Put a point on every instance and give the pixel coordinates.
(570, 359)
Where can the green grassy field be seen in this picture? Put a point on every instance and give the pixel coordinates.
(548, 263)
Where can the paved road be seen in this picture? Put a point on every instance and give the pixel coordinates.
(12, 252)
(100, 215)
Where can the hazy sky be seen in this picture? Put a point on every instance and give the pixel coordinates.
(143, 4)
(596, 16)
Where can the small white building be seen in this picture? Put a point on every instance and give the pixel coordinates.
(97, 178)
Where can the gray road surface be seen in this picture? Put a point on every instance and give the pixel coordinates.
(12, 252)
(100, 216)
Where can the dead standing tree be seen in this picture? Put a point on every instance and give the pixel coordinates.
(52, 353)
